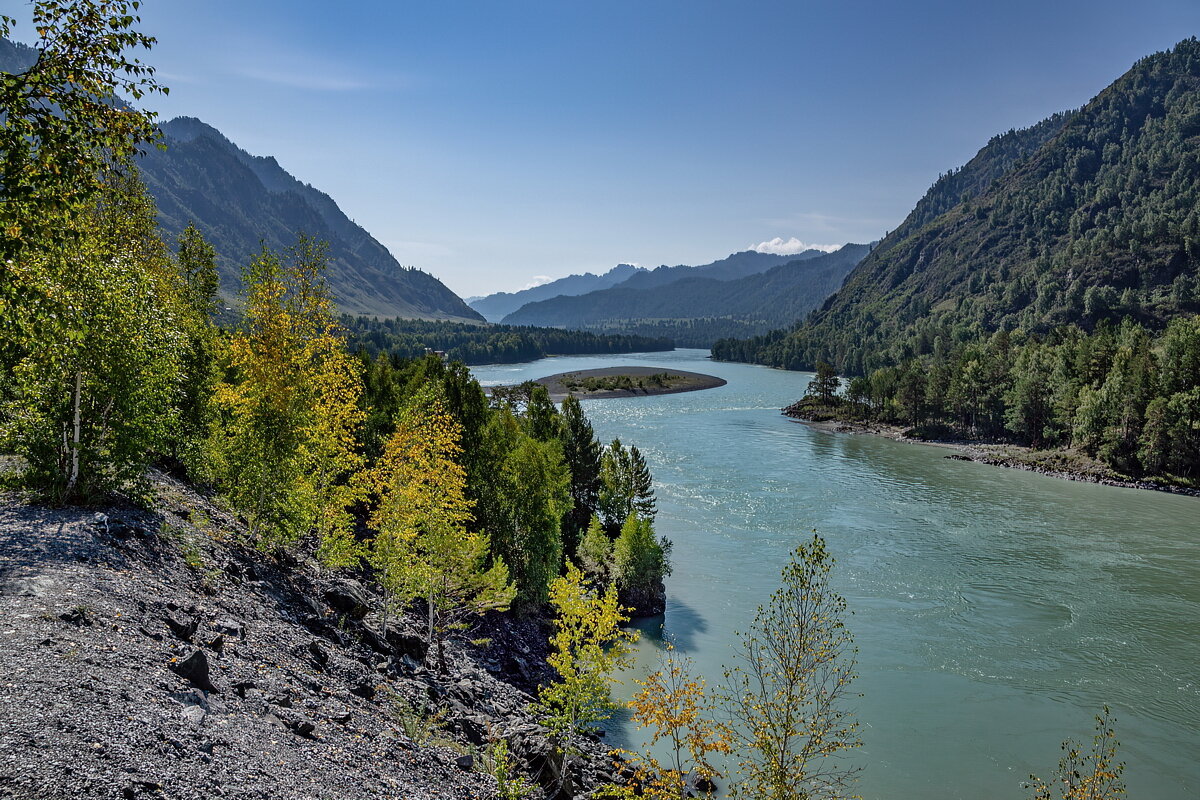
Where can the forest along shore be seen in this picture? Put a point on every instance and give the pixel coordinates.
(1069, 465)
(607, 382)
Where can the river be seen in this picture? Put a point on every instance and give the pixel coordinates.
(995, 610)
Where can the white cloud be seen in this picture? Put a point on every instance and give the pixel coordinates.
(306, 80)
(538, 280)
(791, 246)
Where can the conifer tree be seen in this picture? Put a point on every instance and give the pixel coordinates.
(640, 559)
(596, 554)
(626, 487)
(581, 452)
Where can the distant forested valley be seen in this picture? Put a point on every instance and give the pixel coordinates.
(486, 344)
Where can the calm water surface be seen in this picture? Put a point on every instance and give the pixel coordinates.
(995, 610)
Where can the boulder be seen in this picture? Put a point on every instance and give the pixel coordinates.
(349, 597)
(644, 601)
(194, 669)
(183, 627)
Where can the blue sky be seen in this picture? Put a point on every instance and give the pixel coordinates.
(494, 142)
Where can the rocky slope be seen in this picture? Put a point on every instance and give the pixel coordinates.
(146, 654)
(241, 202)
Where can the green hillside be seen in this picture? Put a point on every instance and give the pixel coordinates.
(484, 344)
(1086, 217)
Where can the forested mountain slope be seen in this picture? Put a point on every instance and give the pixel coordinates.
(241, 202)
(497, 306)
(1093, 216)
(771, 298)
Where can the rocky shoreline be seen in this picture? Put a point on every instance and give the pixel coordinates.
(1065, 465)
(146, 654)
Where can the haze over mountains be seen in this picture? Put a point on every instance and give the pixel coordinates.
(1088, 217)
(747, 292)
(495, 307)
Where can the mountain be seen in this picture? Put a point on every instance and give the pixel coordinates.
(241, 202)
(623, 300)
(1087, 218)
(738, 265)
(494, 307)
(695, 310)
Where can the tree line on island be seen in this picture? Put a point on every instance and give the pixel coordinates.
(401, 469)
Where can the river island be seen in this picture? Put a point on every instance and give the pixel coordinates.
(607, 382)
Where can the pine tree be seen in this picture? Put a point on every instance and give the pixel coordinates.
(581, 452)
(626, 487)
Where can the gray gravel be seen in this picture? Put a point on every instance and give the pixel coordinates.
(144, 654)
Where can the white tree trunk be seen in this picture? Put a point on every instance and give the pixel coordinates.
(78, 399)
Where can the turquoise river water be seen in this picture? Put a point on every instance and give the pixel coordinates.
(995, 611)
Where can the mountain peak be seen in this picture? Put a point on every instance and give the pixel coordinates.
(242, 202)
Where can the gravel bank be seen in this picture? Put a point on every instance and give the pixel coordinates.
(144, 654)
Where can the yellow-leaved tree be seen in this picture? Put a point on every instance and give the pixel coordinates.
(675, 707)
(589, 645)
(1094, 775)
(283, 448)
(422, 547)
(785, 699)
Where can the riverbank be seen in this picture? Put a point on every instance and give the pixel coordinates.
(607, 382)
(148, 654)
(1071, 465)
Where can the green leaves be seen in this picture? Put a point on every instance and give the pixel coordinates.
(589, 645)
(63, 123)
(97, 350)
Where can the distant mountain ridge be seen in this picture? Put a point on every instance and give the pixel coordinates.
(695, 310)
(494, 307)
(621, 300)
(241, 202)
(1086, 218)
(732, 267)
(497, 307)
